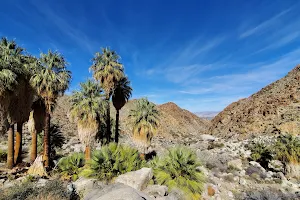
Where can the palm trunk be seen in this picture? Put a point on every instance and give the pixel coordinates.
(117, 128)
(18, 146)
(108, 132)
(87, 153)
(10, 150)
(46, 156)
(33, 152)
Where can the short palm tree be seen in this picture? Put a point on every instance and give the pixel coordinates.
(108, 71)
(121, 94)
(144, 119)
(11, 71)
(50, 82)
(87, 105)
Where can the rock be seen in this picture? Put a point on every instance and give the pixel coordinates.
(237, 163)
(281, 176)
(136, 179)
(83, 185)
(203, 170)
(156, 190)
(8, 184)
(293, 170)
(41, 182)
(2, 182)
(276, 165)
(116, 191)
(206, 137)
(37, 168)
(242, 181)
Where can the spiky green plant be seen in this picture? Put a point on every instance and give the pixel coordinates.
(70, 166)
(287, 149)
(177, 169)
(261, 153)
(111, 161)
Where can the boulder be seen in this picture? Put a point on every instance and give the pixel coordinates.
(116, 191)
(37, 168)
(136, 179)
(41, 182)
(276, 165)
(206, 137)
(83, 185)
(237, 163)
(156, 190)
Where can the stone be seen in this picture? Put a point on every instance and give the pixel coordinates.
(206, 137)
(276, 165)
(2, 182)
(156, 190)
(242, 181)
(136, 179)
(41, 182)
(116, 191)
(83, 185)
(237, 163)
(37, 168)
(203, 170)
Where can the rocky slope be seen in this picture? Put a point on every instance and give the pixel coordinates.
(274, 109)
(175, 123)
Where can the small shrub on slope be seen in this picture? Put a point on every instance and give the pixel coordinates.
(111, 161)
(178, 170)
(3, 155)
(70, 166)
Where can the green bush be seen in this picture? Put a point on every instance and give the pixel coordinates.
(3, 155)
(111, 161)
(261, 153)
(287, 149)
(70, 166)
(178, 170)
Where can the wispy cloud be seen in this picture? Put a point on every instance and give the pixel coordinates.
(264, 25)
(64, 26)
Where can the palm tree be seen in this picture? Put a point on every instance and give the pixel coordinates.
(144, 119)
(86, 109)
(36, 124)
(51, 81)
(108, 71)
(121, 94)
(11, 70)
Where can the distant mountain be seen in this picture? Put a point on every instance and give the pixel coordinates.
(274, 109)
(175, 122)
(207, 114)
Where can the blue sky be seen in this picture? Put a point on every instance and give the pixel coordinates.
(202, 55)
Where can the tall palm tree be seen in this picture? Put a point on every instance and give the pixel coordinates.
(36, 124)
(144, 119)
(121, 94)
(87, 104)
(11, 69)
(51, 81)
(108, 71)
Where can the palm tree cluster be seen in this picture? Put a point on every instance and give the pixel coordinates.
(29, 87)
(91, 103)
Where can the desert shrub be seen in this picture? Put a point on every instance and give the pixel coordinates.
(70, 166)
(178, 170)
(3, 155)
(213, 145)
(29, 191)
(287, 149)
(261, 153)
(111, 161)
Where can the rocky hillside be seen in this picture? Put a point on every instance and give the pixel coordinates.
(175, 123)
(273, 109)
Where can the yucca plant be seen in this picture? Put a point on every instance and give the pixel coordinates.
(70, 166)
(111, 161)
(178, 170)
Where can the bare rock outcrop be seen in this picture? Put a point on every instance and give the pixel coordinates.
(274, 109)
